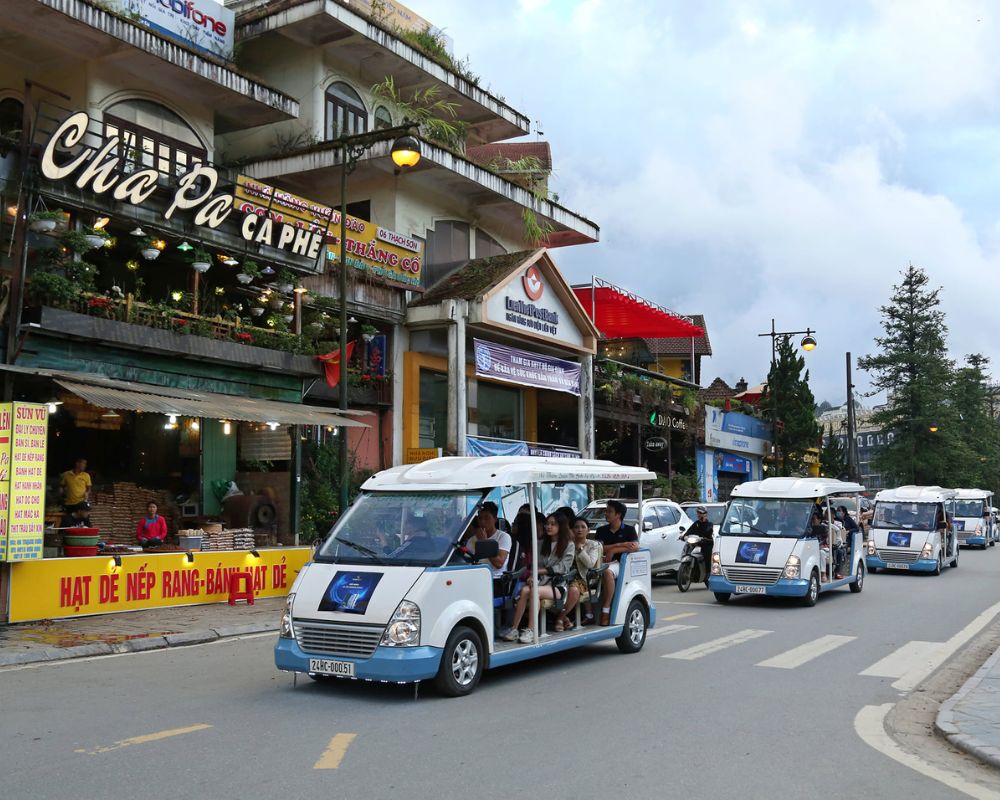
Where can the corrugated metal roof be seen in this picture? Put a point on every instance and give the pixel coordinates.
(206, 404)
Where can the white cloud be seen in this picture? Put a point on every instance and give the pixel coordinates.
(772, 159)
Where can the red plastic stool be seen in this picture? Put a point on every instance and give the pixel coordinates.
(234, 592)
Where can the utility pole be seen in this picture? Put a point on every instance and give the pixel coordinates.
(852, 429)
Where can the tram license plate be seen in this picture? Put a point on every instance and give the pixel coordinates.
(896, 565)
(751, 590)
(324, 666)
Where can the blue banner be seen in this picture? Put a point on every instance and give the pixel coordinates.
(733, 463)
(511, 365)
(486, 447)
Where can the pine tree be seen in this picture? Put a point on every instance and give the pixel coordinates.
(832, 458)
(913, 368)
(978, 431)
(791, 405)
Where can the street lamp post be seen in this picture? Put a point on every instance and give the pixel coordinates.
(405, 153)
(808, 343)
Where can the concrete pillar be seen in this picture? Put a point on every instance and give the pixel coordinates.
(461, 382)
(585, 407)
(400, 344)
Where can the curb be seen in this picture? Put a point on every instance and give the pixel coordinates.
(138, 645)
(948, 725)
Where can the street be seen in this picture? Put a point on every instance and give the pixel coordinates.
(747, 700)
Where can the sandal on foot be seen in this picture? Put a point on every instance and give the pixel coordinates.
(558, 626)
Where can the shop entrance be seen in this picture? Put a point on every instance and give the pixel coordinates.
(729, 481)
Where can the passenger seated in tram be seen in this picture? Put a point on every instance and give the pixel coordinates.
(589, 555)
(819, 529)
(617, 538)
(555, 555)
(488, 529)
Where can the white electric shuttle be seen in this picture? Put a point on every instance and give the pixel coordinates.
(974, 518)
(913, 529)
(391, 596)
(771, 544)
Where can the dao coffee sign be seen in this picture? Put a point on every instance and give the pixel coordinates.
(527, 303)
(380, 252)
(525, 369)
(203, 24)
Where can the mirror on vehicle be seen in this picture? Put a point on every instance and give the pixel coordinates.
(487, 548)
(647, 525)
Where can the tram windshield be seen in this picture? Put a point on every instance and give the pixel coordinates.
(765, 517)
(911, 516)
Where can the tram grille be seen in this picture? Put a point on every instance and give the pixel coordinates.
(761, 576)
(332, 639)
(899, 556)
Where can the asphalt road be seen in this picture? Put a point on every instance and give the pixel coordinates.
(750, 700)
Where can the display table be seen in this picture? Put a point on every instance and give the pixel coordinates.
(54, 588)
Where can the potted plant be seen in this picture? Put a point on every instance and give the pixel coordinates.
(286, 281)
(201, 260)
(46, 221)
(256, 311)
(249, 272)
(368, 332)
(148, 250)
(95, 237)
(83, 240)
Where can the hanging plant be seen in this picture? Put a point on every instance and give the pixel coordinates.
(201, 260)
(46, 221)
(285, 281)
(249, 272)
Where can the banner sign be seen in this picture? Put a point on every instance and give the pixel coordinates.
(370, 248)
(418, 455)
(24, 431)
(551, 452)
(486, 447)
(742, 434)
(727, 462)
(71, 587)
(203, 24)
(511, 365)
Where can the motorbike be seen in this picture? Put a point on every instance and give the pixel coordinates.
(693, 568)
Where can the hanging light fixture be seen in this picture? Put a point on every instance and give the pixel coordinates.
(227, 427)
(138, 231)
(184, 247)
(132, 265)
(267, 271)
(100, 222)
(406, 151)
(229, 261)
(159, 244)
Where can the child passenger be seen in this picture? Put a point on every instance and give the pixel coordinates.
(555, 555)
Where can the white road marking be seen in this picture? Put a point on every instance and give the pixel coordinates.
(869, 724)
(714, 646)
(909, 663)
(802, 654)
(667, 629)
(920, 659)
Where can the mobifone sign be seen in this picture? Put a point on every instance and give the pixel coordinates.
(203, 24)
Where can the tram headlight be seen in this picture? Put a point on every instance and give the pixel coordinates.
(716, 563)
(403, 629)
(928, 551)
(871, 547)
(285, 629)
(792, 566)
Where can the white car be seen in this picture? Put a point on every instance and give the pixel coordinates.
(716, 513)
(662, 525)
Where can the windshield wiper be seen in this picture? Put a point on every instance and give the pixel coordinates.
(362, 549)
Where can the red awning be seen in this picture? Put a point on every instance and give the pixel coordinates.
(618, 315)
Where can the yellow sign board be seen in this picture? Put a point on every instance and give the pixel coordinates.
(378, 251)
(417, 455)
(72, 587)
(22, 496)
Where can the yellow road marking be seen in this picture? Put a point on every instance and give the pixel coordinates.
(681, 616)
(334, 752)
(145, 739)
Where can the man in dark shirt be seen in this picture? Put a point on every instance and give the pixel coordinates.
(703, 528)
(617, 538)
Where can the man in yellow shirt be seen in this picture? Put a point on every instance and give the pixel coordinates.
(75, 483)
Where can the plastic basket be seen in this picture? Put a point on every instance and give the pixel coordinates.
(71, 551)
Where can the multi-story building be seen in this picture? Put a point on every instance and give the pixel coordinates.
(174, 243)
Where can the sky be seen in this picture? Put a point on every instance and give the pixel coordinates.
(751, 160)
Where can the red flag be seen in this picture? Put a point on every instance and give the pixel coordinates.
(331, 364)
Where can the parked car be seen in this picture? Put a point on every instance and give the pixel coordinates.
(716, 513)
(662, 525)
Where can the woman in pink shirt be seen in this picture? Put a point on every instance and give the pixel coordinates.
(152, 529)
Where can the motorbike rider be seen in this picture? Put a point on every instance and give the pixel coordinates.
(703, 528)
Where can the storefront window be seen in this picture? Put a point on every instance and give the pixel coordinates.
(433, 409)
(499, 411)
(153, 136)
(446, 250)
(345, 112)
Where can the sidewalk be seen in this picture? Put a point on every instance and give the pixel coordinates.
(970, 720)
(132, 631)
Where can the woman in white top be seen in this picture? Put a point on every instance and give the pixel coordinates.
(555, 554)
(589, 555)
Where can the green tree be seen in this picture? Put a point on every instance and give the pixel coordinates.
(791, 405)
(913, 368)
(978, 431)
(832, 458)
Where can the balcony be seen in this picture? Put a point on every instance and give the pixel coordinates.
(358, 40)
(56, 36)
